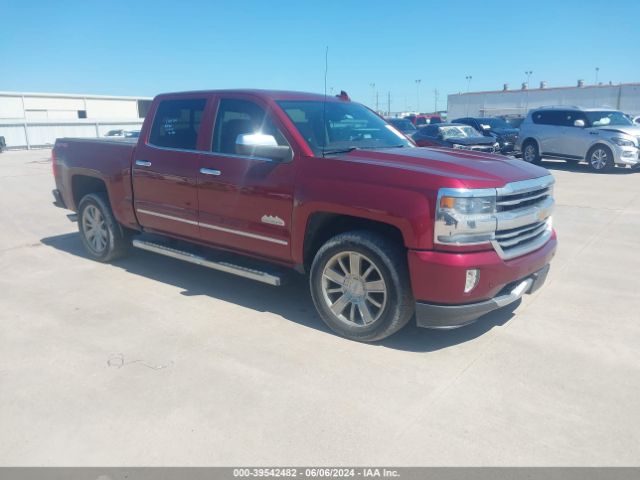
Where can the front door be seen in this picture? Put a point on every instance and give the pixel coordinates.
(165, 169)
(246, 202)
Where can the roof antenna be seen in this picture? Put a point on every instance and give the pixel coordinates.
(324, 103)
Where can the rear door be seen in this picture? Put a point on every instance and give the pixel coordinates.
(246, 202)
(549, 130)
(576, 140)
(165, 167)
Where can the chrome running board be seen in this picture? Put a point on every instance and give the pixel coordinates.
(223, 266)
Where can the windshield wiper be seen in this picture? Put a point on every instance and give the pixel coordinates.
(339, 150)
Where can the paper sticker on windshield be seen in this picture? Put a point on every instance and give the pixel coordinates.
(393, 129)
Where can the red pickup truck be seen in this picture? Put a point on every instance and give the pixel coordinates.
(260, 183)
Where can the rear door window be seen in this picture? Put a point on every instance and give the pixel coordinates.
(550, 117)
(177, 123)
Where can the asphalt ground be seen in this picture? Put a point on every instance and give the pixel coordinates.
(151, 361)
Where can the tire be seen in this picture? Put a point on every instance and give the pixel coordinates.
(376, 300)
(600, 159)
(109, 240)
(530, 153)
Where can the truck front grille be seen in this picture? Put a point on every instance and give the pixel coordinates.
(523, 216)
(519, 200)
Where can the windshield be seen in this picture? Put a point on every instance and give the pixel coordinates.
(403, 124)
(602, 119)
(331, 127)
(458, 131)
(494, 123)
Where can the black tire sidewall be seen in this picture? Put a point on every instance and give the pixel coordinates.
(394, 275)
(114, 233)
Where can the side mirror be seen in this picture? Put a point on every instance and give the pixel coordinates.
(579, 123)
(261, 145)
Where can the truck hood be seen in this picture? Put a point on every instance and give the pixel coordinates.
(471, 169)
(632, 130)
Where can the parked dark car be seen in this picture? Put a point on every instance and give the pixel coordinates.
(496, 128)
(455, 135)
(3, 145)
(404, 125)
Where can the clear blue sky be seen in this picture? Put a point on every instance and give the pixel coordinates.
(146, 47)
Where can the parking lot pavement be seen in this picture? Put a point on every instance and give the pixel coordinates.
(150, 361)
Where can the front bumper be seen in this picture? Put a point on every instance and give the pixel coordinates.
(626, 156)
(454, 316)
(438, 281)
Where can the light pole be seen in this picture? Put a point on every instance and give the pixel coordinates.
(418, 95)
(435, 100)
(373, 94)
(468, 78)
(597, 71)
(528, 74)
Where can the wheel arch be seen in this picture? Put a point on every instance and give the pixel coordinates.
(321, 226)
(82, 185)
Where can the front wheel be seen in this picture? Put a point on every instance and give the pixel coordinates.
(600, 159)
(530, 153)
(360, 286)
(103, 238)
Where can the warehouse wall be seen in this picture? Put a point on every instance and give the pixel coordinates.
(30, 120)
(518, 102)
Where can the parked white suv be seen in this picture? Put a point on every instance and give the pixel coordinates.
(601, 137)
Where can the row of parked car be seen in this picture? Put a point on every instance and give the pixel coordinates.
(602, 138)
(470, 133)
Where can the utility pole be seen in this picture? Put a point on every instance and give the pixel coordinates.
(468, 78)
(435, 102)
(597, 71)
(377, 105)
(389, 103)
(373, 93)
(418, 95)
(528, 74)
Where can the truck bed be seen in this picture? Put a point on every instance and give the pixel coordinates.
(107, 159)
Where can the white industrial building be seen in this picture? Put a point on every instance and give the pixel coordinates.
(624, 97)
(32, 120)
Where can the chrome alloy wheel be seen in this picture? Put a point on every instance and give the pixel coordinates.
(353, 288)
(94, 228)
(599, 158)
(529, 154)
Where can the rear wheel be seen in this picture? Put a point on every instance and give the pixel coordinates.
(103, 238)
(530, 153)
(360, 286)
(600, 159)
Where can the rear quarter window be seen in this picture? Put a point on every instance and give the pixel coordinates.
(177, 122)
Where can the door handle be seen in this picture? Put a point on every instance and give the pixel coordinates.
(143, 163)
(210, 171)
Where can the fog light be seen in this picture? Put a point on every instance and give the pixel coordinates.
(472, 279)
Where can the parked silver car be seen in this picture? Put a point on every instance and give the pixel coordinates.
(601, 137)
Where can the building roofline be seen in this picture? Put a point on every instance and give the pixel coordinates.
(520, 90)
(70, 95)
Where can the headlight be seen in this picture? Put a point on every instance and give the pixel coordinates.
(623, 142)
(465, 216)
(467, 205)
